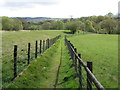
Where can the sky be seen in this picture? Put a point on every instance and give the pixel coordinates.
(57, 8)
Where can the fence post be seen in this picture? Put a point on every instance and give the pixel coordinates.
(43, 45)
(48, 43)
(15, 61)
(75, 61)
(28, 53)
(80, 71)
(36, 46)
(89, 81)
(40, 46)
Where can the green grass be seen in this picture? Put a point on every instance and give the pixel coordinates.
(21, 38)
(102, 50)
(42, 73)
(67, 75)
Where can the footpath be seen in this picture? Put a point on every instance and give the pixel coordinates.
(52, 70)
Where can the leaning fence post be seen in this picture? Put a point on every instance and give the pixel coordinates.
(80, 71)
(75, 61)
(89, 81)
(15, 61)
(36, 46)
(28, 53)
(40, 46)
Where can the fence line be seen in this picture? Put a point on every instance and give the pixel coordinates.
(78, 64)
(21, 59)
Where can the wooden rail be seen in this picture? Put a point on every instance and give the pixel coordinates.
(73, 53)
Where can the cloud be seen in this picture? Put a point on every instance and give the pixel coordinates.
(26, 3)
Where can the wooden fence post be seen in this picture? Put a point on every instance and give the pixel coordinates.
(75, 59)
(80, 71)
(40, 46)
(36, 47)
(15, 61)
(89, 81)
(48, 43)
(43, 45)
(28, 53)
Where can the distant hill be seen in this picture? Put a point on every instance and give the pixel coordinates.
(39, 19)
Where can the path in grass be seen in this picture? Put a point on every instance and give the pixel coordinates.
(47, 71)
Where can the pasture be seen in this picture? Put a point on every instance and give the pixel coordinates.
(101, 49)
(20, 38)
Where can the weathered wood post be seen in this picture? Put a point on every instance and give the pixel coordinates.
(43, 46)
(28, 53)
(75, 59)
(80, 71)
(48, 43)
(15, 61)
(40, 46)
(36, 47)
(89, 81)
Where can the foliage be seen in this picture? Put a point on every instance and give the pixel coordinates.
(7, 23)
(11, 24)
(57, 25)
(17, 24)
(110, 25)
(46, 26)
(89, 26)
(73, 26)
(98, 24)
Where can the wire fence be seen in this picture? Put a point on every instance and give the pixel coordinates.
(14, 62)
(83, 71)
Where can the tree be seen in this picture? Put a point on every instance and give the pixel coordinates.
(110, 25)
(89, 26)
(46, 25)
(96, 26)
(110, 14)
(17, 24)
(73, 26)
(81, 25)
(59, 25)
(99, 19)
(7, 23)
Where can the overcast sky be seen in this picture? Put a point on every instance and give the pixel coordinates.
(57, 8)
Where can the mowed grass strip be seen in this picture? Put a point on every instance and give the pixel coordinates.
(67, 75)
(102, 50)
(41, 73)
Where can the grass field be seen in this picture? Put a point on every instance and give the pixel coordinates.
(43, 72)
(21, 38)
(102, 50)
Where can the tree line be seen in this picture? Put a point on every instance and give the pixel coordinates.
(97, 24)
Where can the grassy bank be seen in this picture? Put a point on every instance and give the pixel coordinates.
(102, 50)
(43, 72)
(21, 38)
